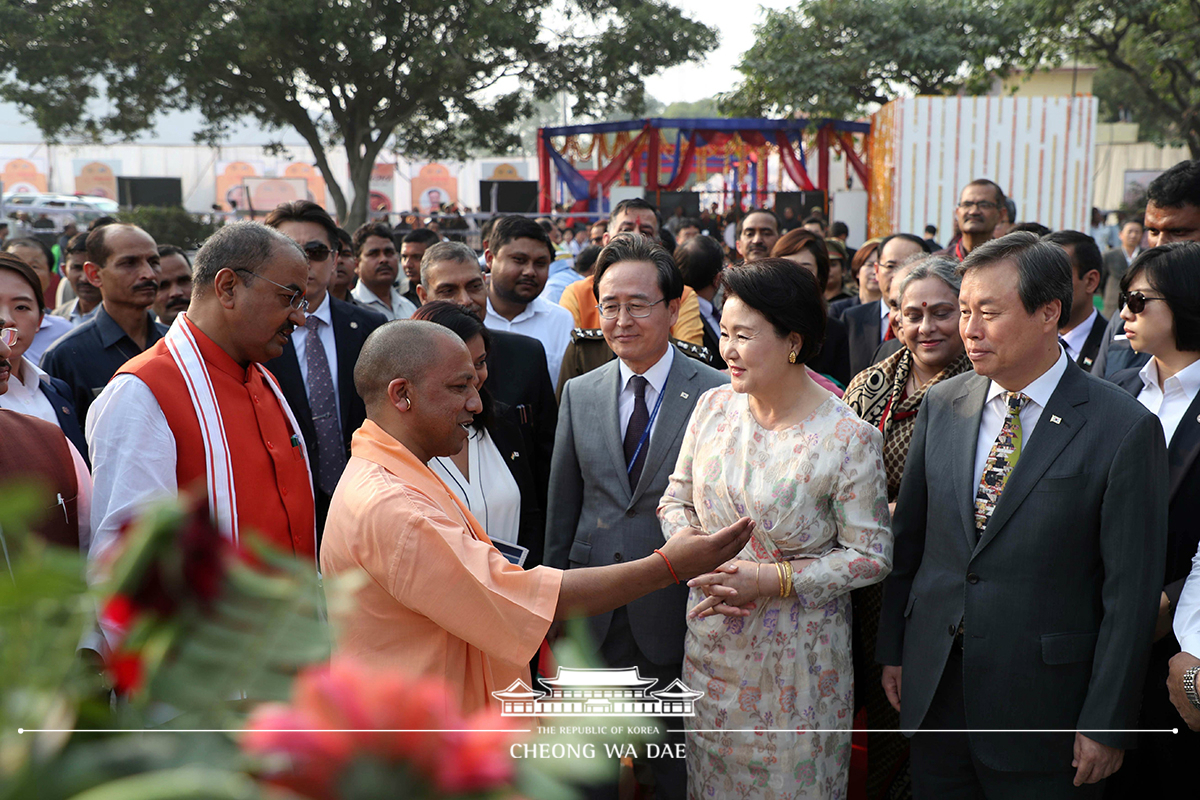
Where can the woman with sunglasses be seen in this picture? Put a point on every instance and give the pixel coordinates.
(1160, 300)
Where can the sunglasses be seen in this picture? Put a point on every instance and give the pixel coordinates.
(316, 251)
(1136, 301)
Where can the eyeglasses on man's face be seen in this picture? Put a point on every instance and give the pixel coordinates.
(296, 298)
(982, 205)
(316, 251)
(637, 308)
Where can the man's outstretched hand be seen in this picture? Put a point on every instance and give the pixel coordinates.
(693, 552)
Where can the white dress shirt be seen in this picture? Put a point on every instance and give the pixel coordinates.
(400, 307)
(492, 494)
(133, 459)
(1170, 402)
(1187, 611)
(549, 323)
(25, 396)
(706, 312)
(884, 322)
(1075, 338)
(996, 409)
(325, 334)
(656, 377)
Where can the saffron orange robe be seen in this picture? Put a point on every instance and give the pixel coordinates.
(440, 600)
(580, 299)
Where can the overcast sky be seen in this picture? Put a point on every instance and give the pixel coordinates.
(717, 73)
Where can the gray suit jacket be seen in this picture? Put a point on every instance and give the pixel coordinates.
(1059, 595)
(592, 516)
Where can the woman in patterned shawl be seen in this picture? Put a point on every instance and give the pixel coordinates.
(888, 396)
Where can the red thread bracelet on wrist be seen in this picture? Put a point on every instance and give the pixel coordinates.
(672, 569)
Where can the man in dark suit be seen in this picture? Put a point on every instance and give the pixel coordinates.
(1117, 261)
(1030, 531)
(517, 372)
(1084, 330)
(867, 324)
(700, 261)
(619, 432)
(316, 370)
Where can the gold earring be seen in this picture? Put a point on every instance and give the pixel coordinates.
(792, 357)
(408, 404)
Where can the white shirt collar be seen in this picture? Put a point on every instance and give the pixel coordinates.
(323, 312)
(364, 295)
(884, 310)
(1077, 336)
(656, 376)
(706, 306)
(535, 306)
(1040, 389)
(1188, 377)
(33, 375)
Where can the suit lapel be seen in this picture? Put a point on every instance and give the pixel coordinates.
(1043, 447)
(968, 411)
(347, 355)
(609, 412)
(1184, 446)
(286, 370)
(672, 416)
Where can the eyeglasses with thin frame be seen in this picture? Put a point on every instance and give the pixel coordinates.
(296, 298)
(982, 205)
(636, 309)
(1136, 301)
(8, 336)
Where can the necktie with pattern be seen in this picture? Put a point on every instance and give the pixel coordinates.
(638, 421)
(1000, 461)
(331, 451)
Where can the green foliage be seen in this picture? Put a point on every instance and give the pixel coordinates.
(171, 225)
(1151, 51)
(843, 59)
(707, 108)
(415, 75)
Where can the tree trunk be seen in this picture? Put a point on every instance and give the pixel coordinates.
(361, 167)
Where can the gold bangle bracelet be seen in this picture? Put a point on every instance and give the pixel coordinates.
(790, 578)
(779, 569)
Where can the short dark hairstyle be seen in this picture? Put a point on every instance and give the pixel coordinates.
(1087, 252)
(367, 230)
(636, 203)
(12, 263)
(667, 240)
(585, 262)
(1174, 272)
(689, 222)
(171, 250)
(1043, 269)
(1178, 186)
(344, 240)
(908, 237)
(37, 244)
(700, 260)
(931, 230)
(742, 222)
(464, 323)
(98, 251)
(635, 247)
(815, 219)
(799, 239)
(305, 211)
(839, 229)
(77, 243)
(1036, 228)
(100, 222)
(1000, 196)
(510, 228)
(238, 246)
(1010, 209)
(421, 236)
(786, 294)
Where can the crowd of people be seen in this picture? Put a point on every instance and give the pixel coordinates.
(948, 491)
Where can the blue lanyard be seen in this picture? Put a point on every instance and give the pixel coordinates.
(646, 433)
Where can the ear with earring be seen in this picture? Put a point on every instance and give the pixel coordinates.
(407, 404)
(792, 357)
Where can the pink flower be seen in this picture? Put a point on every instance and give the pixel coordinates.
(827, 683)
(864, 568)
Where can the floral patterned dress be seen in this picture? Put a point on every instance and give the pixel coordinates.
(816, 489)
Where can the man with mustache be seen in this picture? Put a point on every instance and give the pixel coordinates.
(87, 297)
(981, 206)
(199, 413)
(758, 234)
(174, 284)
(123, 263)
(518, 255)
(378, 269)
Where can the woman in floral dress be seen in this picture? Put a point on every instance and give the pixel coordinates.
(769, 633)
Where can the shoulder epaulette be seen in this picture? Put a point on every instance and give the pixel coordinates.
(586, 334)
(696, 351)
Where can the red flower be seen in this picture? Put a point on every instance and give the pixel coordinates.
(125, 671)
(864, 568)
(118, 614)
(827, 683)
